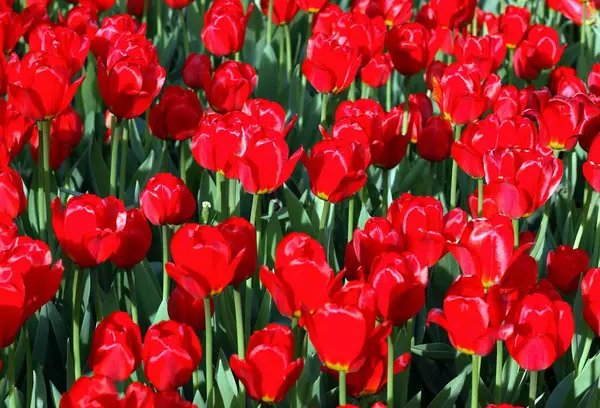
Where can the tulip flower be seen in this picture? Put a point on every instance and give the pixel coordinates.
(324, 20)
(167, 200)
(112, 28)
(539, 50)
(283, 11)
(270, 116)
(134, 240)
(563, 81)
(224, 28)
(573, 10)
(436, 140)
(13, 201)
(65, 42)
(241, 236)
(564, 267)
(197, 71)
(591, 300)
(171, 353)
(8, 231)
(362, 33)
(513, 24)
(311, 6)
(543, 329)
(394, 12)
(138, 395)
(12, 290)
(98, 5)
(298, 245)
(453, 13)
(186, 309)
(136, 7)
(268, 370)
(96, 390)
(466, 318)
(12, 27)
(83, 21)
(377, 71)
(591, 168)
(177, 114)
(116, 350)
(412, 47)
(486, 53)
(33, 16)
(231, 85)
(559, 122)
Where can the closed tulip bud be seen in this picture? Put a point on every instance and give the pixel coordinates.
(224, 29)
(420, 221)
(412, 47)
(12, 27)
(197, 71)
(464, 94)
(466, 318)
(543, 329)
(521, 181)
(563, 81)
(435, 140)
(330, 66)
(377, 236)
(40, 84)
(337, 168)
(508, 104)
(13, 201)
(539, 50)
(231, 85)
(513, 24)
(284, 11)
(564, 267)
(591, 299)
(8, 231)
(65, 42)
(138, 395)
(312, 6)
(241, 236)
(134, 240)
(112, 28)
(90, 391)
(399, 282)
(178, 4)
(366, 113)
(66, 131)
(171, 353)
(88, 228)
(15, 131)
(324, 21)
(486, 53)
(210, 277)
(134, 93)
(116, 350)
(186, 309)
(167, 200)
(268, 370)
(83, 21)
(377, 71)
(177, 114)
(394, 12)
(361, 295)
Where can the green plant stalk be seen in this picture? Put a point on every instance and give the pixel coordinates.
(159, 13)
(365, 91)
(208, 353)
(270, 22)
(454, 179)
(351, 207)
(288, 51)
(12, 386)
(132, 295)
(297, 353)
(475, 381)
(124, 150)
(185, 34)
(342, 389)
(77, 299)
(164, 164)
(145, 15)
(114, 150)
(46, 169)
(406, 106)
(511, 69)
(474, 25)
(222, 196)
(388, 95)
(232, 198)
(582, 53)
(479, 197)
(165, 258)
(41, 193)
(281, 58)
(385, 180)
(324, 109)
(97, 301)
(182, 160)
(406, 347)
(195, 382)
(239, 325)
(352, 91)
(499, 362)
(533, 377)
(304, 81)
(29, 363)
(390, 372)
(586, 216)
(515, 223)
(323, 222)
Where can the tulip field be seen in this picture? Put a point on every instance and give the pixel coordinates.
(300, 203)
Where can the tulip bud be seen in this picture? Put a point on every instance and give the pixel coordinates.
(96, 390)
(134, 240)
(186, 309)
(167, 200)
(13, 201)
(177, 114)
(224, 29)
(564, 267)
(197, 71)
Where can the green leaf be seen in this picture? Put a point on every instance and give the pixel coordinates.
(162, 313)
(89, 88)
(55, 395)
(562, 395)
(415, 402)
(363, 217)
(298, 216)
(448, 396)
(588, 376)
(435, 351)
(110, 303)
(60, 330)
(38, 399)
(40, 342)
(148, 292)
(226, 382)
(98, 169)
(264, 313)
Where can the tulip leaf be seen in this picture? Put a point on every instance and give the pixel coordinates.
(267, 74)
(448, 396)
(147, 169)
(38, 399)
(32, 202)
(435, 351)
(273, 234)
(55, 395)
(198, 400)
(40, 343)
(264, 313)
(562, 395)
(226, 382)
(224, 311)
(510, 374)
(98, 169)
(161, 314)
(110, 303)
(298, 216)
(363, 217)
(415, 402)
(588, 376)
(89, 89)
(148, 292)
(59, 328)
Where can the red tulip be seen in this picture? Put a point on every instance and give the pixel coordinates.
(268, 369)
(13, 201)
(98, 5)
(324, 21)
(591, 168)
(167, 200)
(420, 110)
(83, 21)
(33, 16)
(91, 391)
(39, 85)
(420, 222)
(436, 140)
(63, 41)
(559, 123)
(136, 7)
(508, 104)
(66, 131)
(486, 53)
(88, 228)
(337, 168)
(177, 114)
(134, 240)
(8, 231)
(591, 299)
(270, 116)
(224, 29)
(138, 395)
(377, 71)
(131, 76)
(178, 4)
(231, 85)
(171, 354)
(564, 267)
(513, 24)
(539, 50)
(197, 71)
(573, 10)
(241, 236)
(593, 80)
(366, 113)
(453, 13)
(298, 245)
(466, 318)
(12, 27)
(359, 294)
(186, 309)
(116, 350)
(394, 12)
(111, 30)
(284, 11)
(543, 329)
(330, 66)
(312, 6)
(362, 33)
(412, 47)
(521, 181)
(15, 130)
(462, 95)
(563, 81)
(378, 236)
(13, 298)
(399, 282)
(210, 277)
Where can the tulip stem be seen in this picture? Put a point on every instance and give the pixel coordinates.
(323, 221)
(132, 295)
(29, 363)
(475, 381)
(515, 223)
(12, 386)
(270, 22)
(385, 175)
(304, 81)
(499, 362)
(479, 197)
(114, 149)
(77, 299)
(256, 216)
(582, 53)
(342, 389)
(365, 91)
(124, 151)
(351, 207)
(97, 298)
(407, 343)
(145, 11)
(474, 25)
(390, 371)
(239, 324)
(324, 109)
(454, 179)
(222, 196)
(165, 258)
(182, 160)
(586, 216)
(511, 67)
(533, 376)
(184, 31)
(388, 95)
(41, 194)
(352, 91)
(288, 51)
(46, 169)
(406, 105)
(209, 353)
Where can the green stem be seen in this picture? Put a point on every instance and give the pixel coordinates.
(288, 51)
(41, 193)
(474, 25)
(29, 363)
(323, 221)
(365, 91)
(586, 216)
(208, 353)
(511, 69)
(97, 297)
(124, 150)
(406, 105)
(475, 381)
(164, 165)
(388, 95)
(351, 207)
(256, 214)
(390, 372)
(46, 169)
(114, 150)
(385, 175)
(515, 223)
(304, 81)
(324, 109)
(479, 197)
(147, 138)
(499, 362)
(281, 58)
(12, 386)
(145, 15)
(454, 179)
(184, 31)
(195, 382)
(223, 195)
(132, 295)
(583, 32)
(270, 22)
(165, 259)
(159, 20)
(406, 348)
(342, 389)
(232, 197)
(352, 91)
(239, 324)
(182, 160)
(533, 377)
(77, 299)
